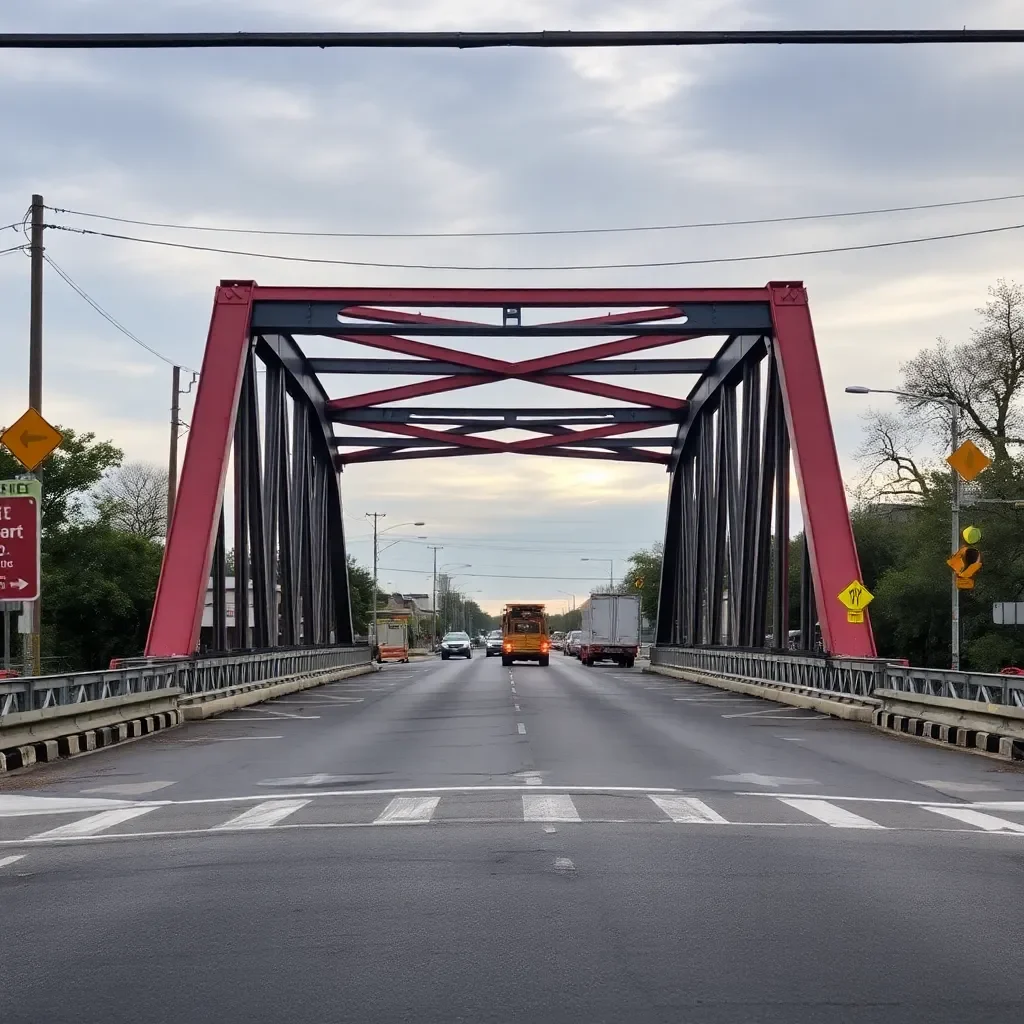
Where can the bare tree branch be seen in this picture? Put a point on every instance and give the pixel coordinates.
(890, 470)
(133, 498)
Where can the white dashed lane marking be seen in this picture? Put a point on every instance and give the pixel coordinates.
(95, 823)
(554, 807)
(408, 809)
(837, 817)
(688, 809)
(264, 815)
(988, 822)
(522, 728)
(12, 859)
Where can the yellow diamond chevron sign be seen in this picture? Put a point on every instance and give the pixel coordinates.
(969, 460)
(856, 597)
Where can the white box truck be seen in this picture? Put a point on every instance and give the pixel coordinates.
(611, 629)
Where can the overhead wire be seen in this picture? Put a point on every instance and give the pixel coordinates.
(109, 317)
(14, 248)
(830, 250)
(536, 233)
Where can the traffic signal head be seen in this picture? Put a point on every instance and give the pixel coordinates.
(971, 534)
(971, 556)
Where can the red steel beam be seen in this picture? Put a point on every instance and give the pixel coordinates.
(181, 591)
(497, 297)
(400, 394)
(830, 541)
(389, 316)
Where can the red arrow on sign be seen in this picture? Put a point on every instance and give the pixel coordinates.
(19, 549)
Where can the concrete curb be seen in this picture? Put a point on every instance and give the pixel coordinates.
(850, 709)
(75, 743)
(210, 708)
(1005, 748)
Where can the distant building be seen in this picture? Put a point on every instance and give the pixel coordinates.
(206, 630)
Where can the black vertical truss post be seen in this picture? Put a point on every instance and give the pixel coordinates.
(725, 575)
(808, 614)
(219, 633)
(780, 574)
(240, 458)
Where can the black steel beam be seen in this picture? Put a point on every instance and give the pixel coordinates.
(506, 417)
(725, 370)
(286, 317)
(480, 40)
(437, 368)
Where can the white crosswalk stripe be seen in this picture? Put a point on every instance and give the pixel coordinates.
(406, 810)
(687, 809)
(831, 814)
(549, 807)
(988, 822)
(94, 824)
(263, 815)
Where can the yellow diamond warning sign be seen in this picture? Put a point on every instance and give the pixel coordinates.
(969, 460)
(856, 597)
(31, 439)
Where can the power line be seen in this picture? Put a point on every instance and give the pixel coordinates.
(536, 233)
(16, 224)
(110, 318)
(14, 248)
(483, 40)
(593, 266)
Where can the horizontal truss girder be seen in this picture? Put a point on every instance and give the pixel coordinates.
(323, 318)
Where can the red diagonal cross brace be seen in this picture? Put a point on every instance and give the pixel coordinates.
(500, 369)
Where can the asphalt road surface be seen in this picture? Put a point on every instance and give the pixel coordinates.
(459, 842)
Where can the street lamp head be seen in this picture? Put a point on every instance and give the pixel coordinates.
(856, 389)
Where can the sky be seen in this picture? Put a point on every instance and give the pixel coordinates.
(385, 141)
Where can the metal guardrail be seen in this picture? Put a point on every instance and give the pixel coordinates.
(854, 676)
(857, 677)
(936, 682)
(193, 676)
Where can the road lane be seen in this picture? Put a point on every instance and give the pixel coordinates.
(633, 855)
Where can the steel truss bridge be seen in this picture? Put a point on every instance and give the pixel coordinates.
(276, 423)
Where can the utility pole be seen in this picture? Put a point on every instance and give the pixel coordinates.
(172, 463)
(375, 516)
(35, 390)
(954, 426)
(433, 598)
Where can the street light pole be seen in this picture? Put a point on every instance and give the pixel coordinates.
(954, 429)
(611, 570)
(433, 598)
(375, 516)
(954, 421)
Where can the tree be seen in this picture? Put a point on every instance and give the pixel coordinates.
(984, 377)
(99, 584)
(68, 476)
(133, 498)
(644, 577)
(360, 588)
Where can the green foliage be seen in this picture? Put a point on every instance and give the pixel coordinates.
(360, 585)
(565, 621)
(645, 568)
(98, 594)
(68, 476)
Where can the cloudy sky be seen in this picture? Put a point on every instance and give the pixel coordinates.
(410, 141)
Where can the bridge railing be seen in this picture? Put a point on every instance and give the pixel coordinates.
(193, 676)
(854, 676)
